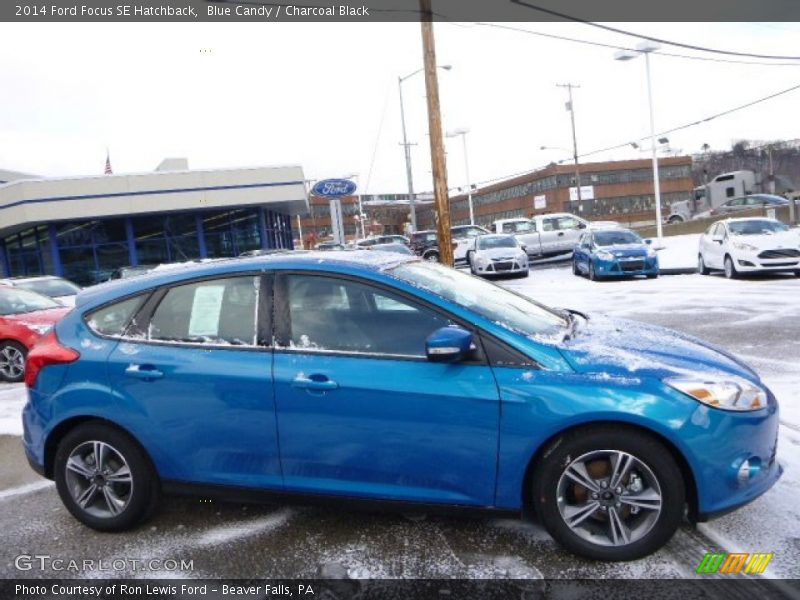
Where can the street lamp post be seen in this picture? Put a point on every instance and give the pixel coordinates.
(463, 133)
(646, 48)
(407, 146)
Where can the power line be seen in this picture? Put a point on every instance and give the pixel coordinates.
(616, 47)
(662, 133)
(651, 38)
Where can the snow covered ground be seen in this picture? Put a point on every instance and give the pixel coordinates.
(678, 251)
(12, 399)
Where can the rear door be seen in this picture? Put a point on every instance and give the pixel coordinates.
(194, 371)
(559, 234)
(362, 412)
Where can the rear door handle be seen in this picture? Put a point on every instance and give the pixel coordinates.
(315, 382)
(146, 372)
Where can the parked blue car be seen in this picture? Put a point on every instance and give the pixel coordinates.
(378, 377)
(613, 252)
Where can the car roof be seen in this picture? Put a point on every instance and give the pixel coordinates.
(14, 279)
(736, 219)
(355, 261)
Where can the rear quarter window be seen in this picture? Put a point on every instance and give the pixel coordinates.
(114, 319)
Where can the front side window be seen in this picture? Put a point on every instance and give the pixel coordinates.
(216, 312)
(327, 314)
(114, 318)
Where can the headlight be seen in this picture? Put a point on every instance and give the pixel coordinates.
(743, 246)
(728, 394)
(480, 261)
(603, 255)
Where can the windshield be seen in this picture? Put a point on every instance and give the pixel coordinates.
(756, 227)
(50, 287)
(496, 241)
(14, 301)
(483, 298)
(612, 238)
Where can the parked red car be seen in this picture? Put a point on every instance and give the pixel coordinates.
(24, 318)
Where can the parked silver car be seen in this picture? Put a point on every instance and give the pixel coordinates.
(497, 254)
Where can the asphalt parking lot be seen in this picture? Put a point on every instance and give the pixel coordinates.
(758, 319)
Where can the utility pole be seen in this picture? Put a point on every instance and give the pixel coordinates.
(438, 163)
(571, 108)
(407, 149)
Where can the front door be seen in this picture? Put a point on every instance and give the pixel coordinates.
(198, 379)
(362, 412)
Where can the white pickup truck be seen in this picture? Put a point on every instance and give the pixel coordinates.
(548, 235)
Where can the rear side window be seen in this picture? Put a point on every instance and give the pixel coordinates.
(114, 318)
(215, 312)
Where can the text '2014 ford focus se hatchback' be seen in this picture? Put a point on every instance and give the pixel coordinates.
(383, 377)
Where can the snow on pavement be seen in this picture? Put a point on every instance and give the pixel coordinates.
(12, 399)
(678, 251)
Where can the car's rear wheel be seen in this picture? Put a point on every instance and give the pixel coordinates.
(432, 256)
(701, 265)
(608, 496)
(103, 477)
(12, 361)
(730, 268)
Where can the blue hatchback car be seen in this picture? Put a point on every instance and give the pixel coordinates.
(380, 377)
(613, 252)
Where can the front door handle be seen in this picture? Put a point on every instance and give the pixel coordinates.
(560, 233)
(315, 383)
(146, 372)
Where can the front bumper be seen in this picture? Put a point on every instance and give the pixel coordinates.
(626, 267)
(505, 267)
(751, 261)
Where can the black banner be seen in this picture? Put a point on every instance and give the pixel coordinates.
(732, 588)
(397, 10)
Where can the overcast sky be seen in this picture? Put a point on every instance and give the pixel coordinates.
(325, 96)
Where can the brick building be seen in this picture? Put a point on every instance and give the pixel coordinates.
(618, 190)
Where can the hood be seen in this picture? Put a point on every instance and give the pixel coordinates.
(495, 253)
(47, 316)
(619, 250)
(783, 239)
(629, 348)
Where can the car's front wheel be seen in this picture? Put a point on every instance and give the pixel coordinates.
(592, 274)
(103, 477)
(701, 265)
(432, 256)
(730, 268)
(12, 361)
(609, 496)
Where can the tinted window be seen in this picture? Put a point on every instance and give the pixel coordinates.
(114, 318)
(328, 314)
(220, 311)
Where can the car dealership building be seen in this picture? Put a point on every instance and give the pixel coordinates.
(83, 228)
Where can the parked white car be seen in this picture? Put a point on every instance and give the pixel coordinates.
(59, 289)
(747, 245)
(497, 254)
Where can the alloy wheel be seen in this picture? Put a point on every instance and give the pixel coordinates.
(12, 362)
(99, 479)
(609, 498)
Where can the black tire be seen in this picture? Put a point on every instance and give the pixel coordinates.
(592, 275)
(701, 266)
(140, 497)
(645, 448)
(524, 274)
(432, 256)
(730, 268)
(797, 273)
(575, 268)
(11, 353)
(469, 262)
(652, 275)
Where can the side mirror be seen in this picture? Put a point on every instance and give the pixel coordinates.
(581, 225)
(648, 242)
(523, 247)
(448, 344)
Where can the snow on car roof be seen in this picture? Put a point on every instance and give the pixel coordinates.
(362, 260)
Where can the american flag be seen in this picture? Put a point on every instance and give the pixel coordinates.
(108, 170)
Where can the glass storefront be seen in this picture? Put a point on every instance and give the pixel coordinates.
(88, 251)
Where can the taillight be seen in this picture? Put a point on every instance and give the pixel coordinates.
(47, 351)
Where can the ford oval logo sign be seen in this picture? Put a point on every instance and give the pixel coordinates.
(334, 188)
